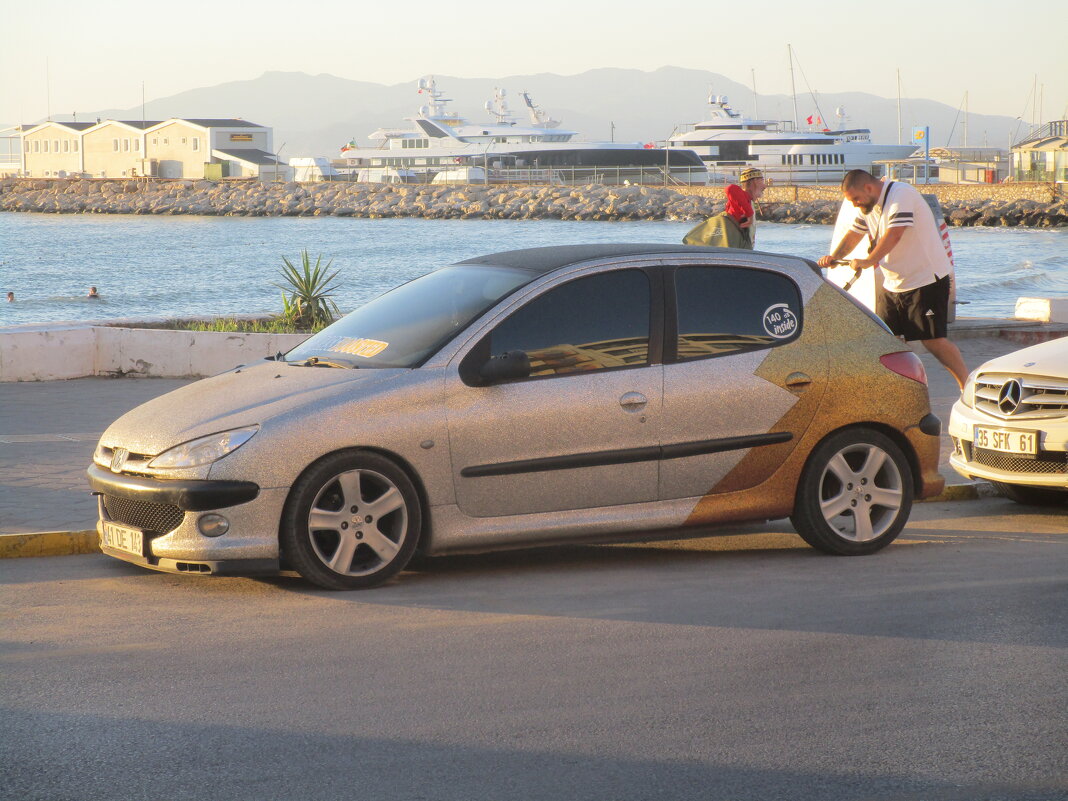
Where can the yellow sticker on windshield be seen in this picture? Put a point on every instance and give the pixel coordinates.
(359, 347)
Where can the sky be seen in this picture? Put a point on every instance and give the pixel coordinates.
(65, 56)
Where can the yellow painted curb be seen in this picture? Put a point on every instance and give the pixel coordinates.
(48, 543)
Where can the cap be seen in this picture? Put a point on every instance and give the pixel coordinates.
(749, 174)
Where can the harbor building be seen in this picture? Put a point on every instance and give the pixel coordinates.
(1042, 156)
(173, 148)
(54, 148)
(113, 148)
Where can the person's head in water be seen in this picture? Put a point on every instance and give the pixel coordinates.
(92, 293)
(10, 296)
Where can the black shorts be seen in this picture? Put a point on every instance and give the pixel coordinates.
(916, 313)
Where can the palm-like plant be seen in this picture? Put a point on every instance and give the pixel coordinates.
(307, 300)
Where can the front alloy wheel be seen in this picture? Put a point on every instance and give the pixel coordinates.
(352, 521)
(855, 494)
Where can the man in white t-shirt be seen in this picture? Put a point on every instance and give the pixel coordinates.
(905, 242)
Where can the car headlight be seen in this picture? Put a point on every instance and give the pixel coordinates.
(967, 395)
(204, 450)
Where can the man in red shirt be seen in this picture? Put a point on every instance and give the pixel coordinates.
(733, 227)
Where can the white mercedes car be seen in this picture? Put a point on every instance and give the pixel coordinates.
(1010, 426)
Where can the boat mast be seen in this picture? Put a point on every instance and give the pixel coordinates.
(793, 91)
(899, 106)
(965, 118)
(756, 108)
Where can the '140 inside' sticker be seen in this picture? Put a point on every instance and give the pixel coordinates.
(779, 321)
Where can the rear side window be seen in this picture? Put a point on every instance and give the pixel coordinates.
(729, 309)
(594, 323)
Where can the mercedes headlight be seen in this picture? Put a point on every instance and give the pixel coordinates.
(967, 395)
(204, 450)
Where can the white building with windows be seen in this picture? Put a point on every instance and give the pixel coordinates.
(174, 148)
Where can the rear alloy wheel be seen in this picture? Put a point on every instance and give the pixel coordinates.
(352, 521)
(855, 494)
(1031, 496)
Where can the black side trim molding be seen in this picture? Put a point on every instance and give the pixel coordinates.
(931, 426)
(190, 495)
(722, 445)
(627, 456)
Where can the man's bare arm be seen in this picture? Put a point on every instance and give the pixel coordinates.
(849, 241)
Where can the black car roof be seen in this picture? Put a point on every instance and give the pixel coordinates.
(546, 259)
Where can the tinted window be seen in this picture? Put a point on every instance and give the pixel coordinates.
(407, 324)
(727, 309)
(591, 323)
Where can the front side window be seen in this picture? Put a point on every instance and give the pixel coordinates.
(730, 309)
(408, 324)
(593, 323)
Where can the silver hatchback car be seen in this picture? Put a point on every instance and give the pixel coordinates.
(543, 396)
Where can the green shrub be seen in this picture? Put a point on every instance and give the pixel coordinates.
(307, 294)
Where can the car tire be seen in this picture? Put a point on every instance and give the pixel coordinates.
(351, 521)
(836, 511)
(1031, 496)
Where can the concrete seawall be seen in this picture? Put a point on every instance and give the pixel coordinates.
(1033, 205)
(49, 352)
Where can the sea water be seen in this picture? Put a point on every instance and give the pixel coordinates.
(190, 266)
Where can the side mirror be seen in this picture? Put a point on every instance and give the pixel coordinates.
(505, 367)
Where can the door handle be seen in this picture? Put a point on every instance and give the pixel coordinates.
(797, 380)
(633, 401)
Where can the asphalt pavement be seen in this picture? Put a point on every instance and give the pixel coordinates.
(744, 668)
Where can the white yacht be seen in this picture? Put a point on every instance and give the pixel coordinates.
(728, 143)
(441, 146)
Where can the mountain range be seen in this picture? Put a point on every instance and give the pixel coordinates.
(314, 115)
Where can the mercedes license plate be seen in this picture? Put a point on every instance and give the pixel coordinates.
(1007, 440)
(124, 538)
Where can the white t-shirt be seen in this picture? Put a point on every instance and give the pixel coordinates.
(919, 258)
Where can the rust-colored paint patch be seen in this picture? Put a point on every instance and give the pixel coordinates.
(859, 389)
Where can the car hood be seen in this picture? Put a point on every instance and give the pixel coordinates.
(1045, 359)
(248, 395)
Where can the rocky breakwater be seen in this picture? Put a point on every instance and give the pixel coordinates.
(255, 199)
(594, 202)
(992, 213)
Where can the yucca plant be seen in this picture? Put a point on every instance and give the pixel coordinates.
(307, 294)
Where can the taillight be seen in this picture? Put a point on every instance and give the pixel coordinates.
(905, 363)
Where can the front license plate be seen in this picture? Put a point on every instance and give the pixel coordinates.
(121, 538)
(1007, 441)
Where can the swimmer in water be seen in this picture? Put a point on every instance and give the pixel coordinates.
(93, 293)
(10, 297)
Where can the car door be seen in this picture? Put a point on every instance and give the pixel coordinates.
(744, 373)
(582, 430)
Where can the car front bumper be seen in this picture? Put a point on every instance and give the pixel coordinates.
(1048, 468)
(167, 514)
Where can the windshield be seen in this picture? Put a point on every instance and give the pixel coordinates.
(406, 325)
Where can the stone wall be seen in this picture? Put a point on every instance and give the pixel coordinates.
(1038, 205)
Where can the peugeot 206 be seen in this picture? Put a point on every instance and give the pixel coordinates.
(1010, 425)
(553, 395)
